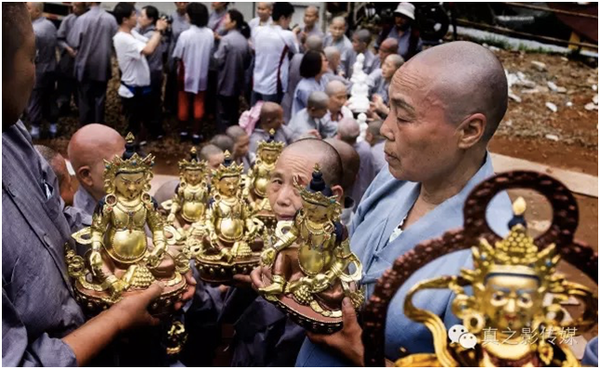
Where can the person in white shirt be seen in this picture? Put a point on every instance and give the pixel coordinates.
(193, 50)
(273, 44)
(131, 49)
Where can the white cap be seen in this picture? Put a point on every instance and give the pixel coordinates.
(406, 9)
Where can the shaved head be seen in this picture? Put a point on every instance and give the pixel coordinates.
(325, 155)
(350, 162)
(396, 60)
(297, 162)
(339, 20)
(318, 100)
(93, 143)
(443, 112)
(87, 149)
(312, 9)
(166, 191)
(314, 42)
(363, 35)
(335, 87)
(390, 45)
(348, 130)
(271, 116)
(479, 87)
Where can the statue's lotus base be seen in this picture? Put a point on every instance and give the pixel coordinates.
(307, 318)
(94, 300)
(221, 271)
(304, 315)
(214, 267)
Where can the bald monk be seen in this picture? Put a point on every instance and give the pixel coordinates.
(379, 83)
(271, 118)
(87, 150)
(388, 47)
(361, 40)
(59, 166)
(213, 155)
(264, 335)
(348, 131)
(338, 96)
(442, 116)
(350, 167)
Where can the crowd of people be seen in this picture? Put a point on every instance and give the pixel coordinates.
(198, 65)
(405, 182)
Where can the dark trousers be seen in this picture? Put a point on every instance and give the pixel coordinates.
(66, 87)
(137, 110)
(171, 92)
(229, 112)
(92, 101)
(257, 96)
(42, 102)
(156, 118)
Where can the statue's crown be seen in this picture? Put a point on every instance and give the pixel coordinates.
(317, 192)
(228, 168)
(194, 163)
(130, 162)
(517, 253)
(270, 144)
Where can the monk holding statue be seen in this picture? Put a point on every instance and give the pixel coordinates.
(310, 262)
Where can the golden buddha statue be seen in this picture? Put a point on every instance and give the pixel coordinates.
(310, 263)
(121, 259)
(191, 195)
(259, 177)
(514, 316)
(231, 231)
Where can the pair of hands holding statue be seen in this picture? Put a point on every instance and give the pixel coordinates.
(347, 342)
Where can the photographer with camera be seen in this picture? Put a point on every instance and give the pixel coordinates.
(132, 50)
(147, 27)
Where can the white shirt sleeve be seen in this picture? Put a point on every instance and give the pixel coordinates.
(129, 46)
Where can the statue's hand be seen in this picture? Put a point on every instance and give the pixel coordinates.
(154, 258)
(268, 257)
(320, 282)
(171, 218)
(95, 260)
(214, 239)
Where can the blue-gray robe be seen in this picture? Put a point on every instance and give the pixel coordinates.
(233, 58)
(38, 306)
(385, 204)
(92, 37)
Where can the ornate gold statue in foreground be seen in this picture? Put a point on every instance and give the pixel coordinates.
(231, 231)
(258, 178)
(506, 321)
(310, 263)
(191, 195)
(121, 260)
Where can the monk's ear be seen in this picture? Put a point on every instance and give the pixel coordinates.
(338, 191)
(84, 175)
(471, 130)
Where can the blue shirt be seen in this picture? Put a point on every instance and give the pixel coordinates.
(385, 204)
